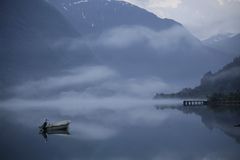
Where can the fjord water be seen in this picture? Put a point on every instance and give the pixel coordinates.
(122, 131)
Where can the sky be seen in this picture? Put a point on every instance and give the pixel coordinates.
(203, 18)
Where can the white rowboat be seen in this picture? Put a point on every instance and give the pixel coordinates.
(62, 125)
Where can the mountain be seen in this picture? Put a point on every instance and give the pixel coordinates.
(137, 43)
(94, 16)
(225, 80)
(30, 33)
(217, 38)
(227, 43)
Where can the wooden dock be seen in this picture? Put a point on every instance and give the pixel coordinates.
(195, 103)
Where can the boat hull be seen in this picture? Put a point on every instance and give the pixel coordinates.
(55, 127)
(59, 127)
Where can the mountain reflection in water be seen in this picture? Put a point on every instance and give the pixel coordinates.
(225, 118)
(131, 132)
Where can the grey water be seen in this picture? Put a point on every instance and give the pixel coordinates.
(123, 132)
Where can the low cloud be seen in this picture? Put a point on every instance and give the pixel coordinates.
(232, 73)
(93, 81)
(76, 78)
(128, 36)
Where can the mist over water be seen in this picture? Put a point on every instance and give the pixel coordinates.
(112, 121)
(118, 128)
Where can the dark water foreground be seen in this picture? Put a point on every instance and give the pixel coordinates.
(129, 133)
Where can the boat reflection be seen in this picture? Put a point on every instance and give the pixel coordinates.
(53, 132)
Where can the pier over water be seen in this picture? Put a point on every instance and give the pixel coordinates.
(195, 103)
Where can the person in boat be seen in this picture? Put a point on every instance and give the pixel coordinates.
(44, 125)
(43, 130)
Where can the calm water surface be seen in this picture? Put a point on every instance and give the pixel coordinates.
(131, 132)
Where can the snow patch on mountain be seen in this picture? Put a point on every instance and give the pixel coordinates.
(79, 2)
